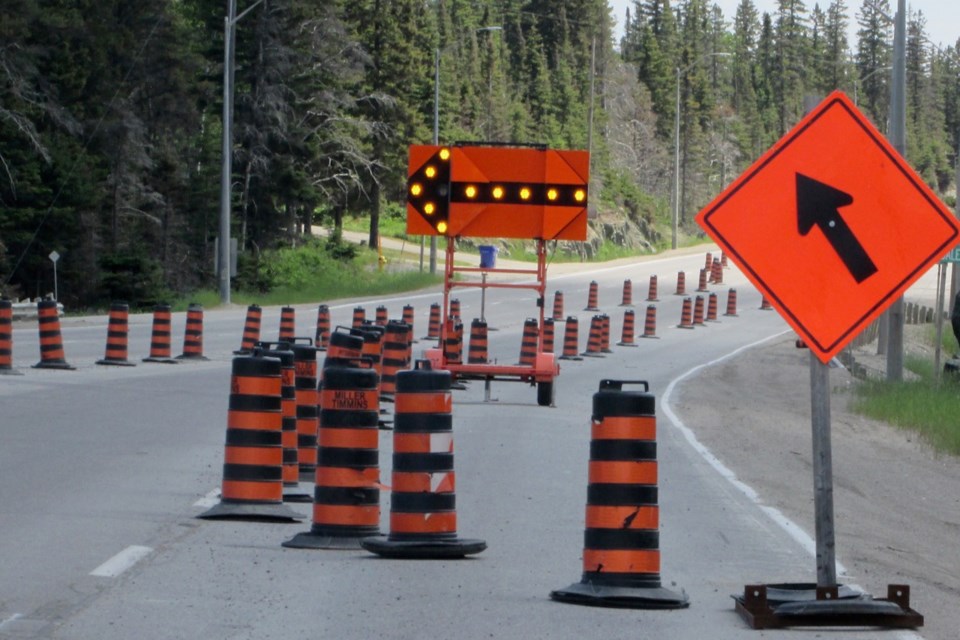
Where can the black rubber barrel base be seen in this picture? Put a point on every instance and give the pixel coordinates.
(62, 364)
(188, 356)
(251, 511)
(595, 595)
(162, 360)
(296, 494)
(119, 363)
(577, 358)
(310, 540)
(627, 344)
(10, 372)
(423, 549)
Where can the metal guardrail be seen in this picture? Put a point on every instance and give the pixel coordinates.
(28, 310)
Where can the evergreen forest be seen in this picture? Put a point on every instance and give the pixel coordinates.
(111, 123)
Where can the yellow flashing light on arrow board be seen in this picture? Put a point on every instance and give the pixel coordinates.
(497, 192)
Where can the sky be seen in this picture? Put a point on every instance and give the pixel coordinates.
(943, 16)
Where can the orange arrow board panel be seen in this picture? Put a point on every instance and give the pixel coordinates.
(831, 224)
(502, 192)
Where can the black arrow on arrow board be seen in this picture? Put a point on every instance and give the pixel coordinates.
(819, 204)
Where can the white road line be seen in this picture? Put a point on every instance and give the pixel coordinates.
(793, 529)
(122, 561)
(212, 499)
(12, 618)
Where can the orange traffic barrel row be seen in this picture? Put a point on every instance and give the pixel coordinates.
(380, 317)
(6, 338)
(193, 334)
(408, 316)
(712, 308)
(345, 345)
(116, 351)
(765, 304)
(716, 272)
(52, 355)
(433, 325)
(702, 286)
(454, 308)
(592, 297)
(423, 515)
(161, 336)
(253, 454)
(251, 330)
(605, 333)
(477, 353)
(558, 305)
(652, 290)
(323, 327)
(372, 350)
(288, 424)
(708, 261)
(571, 340)
(346, 499)
(621, 556)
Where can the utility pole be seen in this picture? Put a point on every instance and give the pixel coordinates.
(898, 138)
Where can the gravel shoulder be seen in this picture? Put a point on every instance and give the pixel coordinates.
(896, 500)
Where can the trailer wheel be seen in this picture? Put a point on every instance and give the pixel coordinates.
(545, 393)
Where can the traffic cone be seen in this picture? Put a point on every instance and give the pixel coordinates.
(621, 556)
(528, 343)
(626, 299)
(160, 338)
(548, 333)
(650, 322)
(6, 339)
(681, 284)
(251, 330)
(433, 326)
(712, 308)
(571, 340)
(51, 342)
(558, 305)
(323, 327)
(423, 515)
(652, 290)
(193, 334)
(253, 455)
(477, 351)
(702, 287)
(381, 316)
(686, 315)
(731, 303)
(605, 334)
(288, 324)
(594, 341)
(698, 311)
(592, 297)
(116, 351)
(346, 498)
(626, 335)
(359, 315)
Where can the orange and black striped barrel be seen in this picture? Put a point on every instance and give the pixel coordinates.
(627, 333)
(380, 319)
(681, 284)
(548, 335)
(723, 259)
(592, 297)
(528, 342)
(731, 303)
(359, 316)
(52, 355)
(6, 336)
(288, 324)
(408, 318)
(394, 356)
(621, 556)
(323, 327)
(253, 455)
(558, 305)
(571, 340)
(595, 339)
(305, 382)
(193, 334)
(423, 516)
(708, 261)
(372, 350)
(160, 336)
(288, 424)
(650, 322)
(698, 311)
(117, 330)
(712, 308)
(652, 290)
(477, 353)
(346, 498)
(605, 333)
(686, 314)
(454, 308)
(453, 343)
(702, 286)
(626, 299)
(251, 330)
(765, 304)
(433, 325)
(716, 275)
(345, 345)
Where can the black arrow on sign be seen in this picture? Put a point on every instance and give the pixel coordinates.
(819, 204)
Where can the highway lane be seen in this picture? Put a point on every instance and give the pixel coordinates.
(106, 461)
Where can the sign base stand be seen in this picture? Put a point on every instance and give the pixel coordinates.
(806, 605)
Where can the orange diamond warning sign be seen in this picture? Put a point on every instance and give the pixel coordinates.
(831, 224)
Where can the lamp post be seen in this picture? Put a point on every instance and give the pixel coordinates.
(436, 122)
(676, 144)
(223, 246)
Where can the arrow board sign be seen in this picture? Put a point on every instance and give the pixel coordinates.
(831, 225)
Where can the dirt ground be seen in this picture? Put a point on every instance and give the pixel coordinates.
(896, 500)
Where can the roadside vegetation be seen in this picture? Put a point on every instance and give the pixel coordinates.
(920, 404)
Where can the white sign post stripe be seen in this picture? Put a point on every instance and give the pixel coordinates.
(121, 562)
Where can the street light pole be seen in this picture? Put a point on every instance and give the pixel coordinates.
(676, 145)
(226, 170)
(436, 123)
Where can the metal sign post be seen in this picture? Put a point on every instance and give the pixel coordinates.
(822, 472)
(54, 256)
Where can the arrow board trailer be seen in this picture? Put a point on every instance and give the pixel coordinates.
(497, 191)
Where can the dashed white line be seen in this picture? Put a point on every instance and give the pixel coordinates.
(122, 561)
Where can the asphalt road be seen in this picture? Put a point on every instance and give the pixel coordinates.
(103, 470)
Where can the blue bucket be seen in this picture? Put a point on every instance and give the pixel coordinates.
(488, 256)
